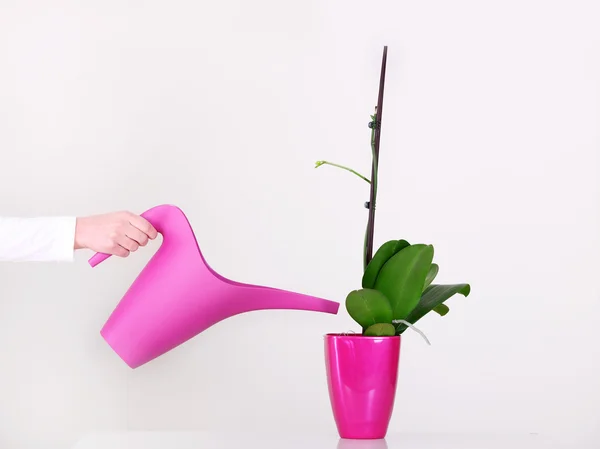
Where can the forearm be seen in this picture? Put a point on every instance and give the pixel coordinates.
(40, 239)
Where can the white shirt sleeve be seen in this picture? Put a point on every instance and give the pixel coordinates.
(41, 239)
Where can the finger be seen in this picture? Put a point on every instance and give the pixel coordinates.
(135, 234)
(119, 251)
(143, 225)
(127, 243)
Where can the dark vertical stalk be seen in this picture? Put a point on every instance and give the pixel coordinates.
(375, 164)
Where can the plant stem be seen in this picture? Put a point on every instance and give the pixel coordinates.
(374, 159)
(319, 163)
(375, 169)
(375, 125)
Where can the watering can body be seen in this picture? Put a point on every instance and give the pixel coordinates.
(178, 295)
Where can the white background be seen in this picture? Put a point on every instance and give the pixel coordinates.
(489, 152)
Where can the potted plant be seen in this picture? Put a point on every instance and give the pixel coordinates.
(396, 291)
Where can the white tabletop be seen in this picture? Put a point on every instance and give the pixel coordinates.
(206, 440)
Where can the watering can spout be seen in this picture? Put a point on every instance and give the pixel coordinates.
(178, 295)
(265, 298)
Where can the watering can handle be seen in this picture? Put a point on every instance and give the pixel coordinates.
(156, 216)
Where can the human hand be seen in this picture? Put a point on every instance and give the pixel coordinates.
(117, 233)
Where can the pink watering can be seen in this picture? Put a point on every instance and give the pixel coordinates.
(178, 295)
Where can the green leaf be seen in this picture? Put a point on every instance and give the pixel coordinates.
(402, 277)
(368, 307)
(433, 297)
(382, 255)
(442, 309)
(433, 271)
(381, 330)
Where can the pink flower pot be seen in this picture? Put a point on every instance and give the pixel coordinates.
(362, 374)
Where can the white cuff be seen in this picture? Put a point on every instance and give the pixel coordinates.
(63, 239)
